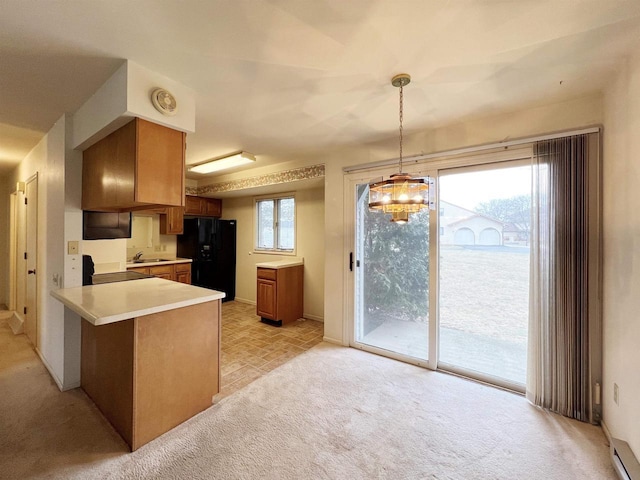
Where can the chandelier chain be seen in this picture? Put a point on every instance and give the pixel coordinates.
(401, 115)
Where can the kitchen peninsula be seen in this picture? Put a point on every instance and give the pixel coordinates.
(150, 352)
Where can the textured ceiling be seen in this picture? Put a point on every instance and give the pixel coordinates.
(275, 77)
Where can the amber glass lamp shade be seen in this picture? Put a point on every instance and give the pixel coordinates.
(399, 196)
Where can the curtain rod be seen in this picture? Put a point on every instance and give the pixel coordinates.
(473, 149)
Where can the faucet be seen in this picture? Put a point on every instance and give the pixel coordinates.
(137, 256)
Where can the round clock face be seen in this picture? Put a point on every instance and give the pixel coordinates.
(164, 102)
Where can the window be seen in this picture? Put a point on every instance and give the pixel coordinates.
(275, 224)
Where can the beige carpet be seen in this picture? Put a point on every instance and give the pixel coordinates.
(331, 413)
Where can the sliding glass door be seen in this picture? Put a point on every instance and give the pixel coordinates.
(449, 289)
(391, 265)
(484, 223)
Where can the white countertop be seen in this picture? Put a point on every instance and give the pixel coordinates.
(153, 264)
(292, 262)
(113, 302)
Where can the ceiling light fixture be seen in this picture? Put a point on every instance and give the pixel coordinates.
(401, 194)
(222, 163)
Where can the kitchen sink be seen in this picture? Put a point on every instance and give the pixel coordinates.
(151, 260)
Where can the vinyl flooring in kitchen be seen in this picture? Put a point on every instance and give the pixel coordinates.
(251, 348)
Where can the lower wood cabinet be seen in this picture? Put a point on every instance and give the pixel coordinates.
(178, 272)
(279, 294)
(183, 272)
(150, 373)
(267, 299)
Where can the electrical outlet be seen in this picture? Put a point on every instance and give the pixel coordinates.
(164, 248)
(157, 248)
(616, 394)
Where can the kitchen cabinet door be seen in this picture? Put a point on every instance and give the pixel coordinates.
(172, 221)
(267, 299)
(213, 207)
(159, 164)
(192, 205)
(183, 273)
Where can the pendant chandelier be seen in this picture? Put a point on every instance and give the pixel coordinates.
(401, 194)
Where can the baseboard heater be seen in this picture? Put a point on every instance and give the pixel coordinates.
(624, 462)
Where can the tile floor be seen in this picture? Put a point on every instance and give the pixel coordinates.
(251, 348)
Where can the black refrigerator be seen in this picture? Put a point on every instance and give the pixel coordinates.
(211, 244)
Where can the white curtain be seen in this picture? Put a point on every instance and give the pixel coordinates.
(564, 339)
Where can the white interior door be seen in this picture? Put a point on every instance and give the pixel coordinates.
(31, 289)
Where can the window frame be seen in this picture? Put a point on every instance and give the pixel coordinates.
(276, 232)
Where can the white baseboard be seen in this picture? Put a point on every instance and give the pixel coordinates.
(308, 316)
(334, 341)
(244, 300)
(51, 372)
(71, 386)
(606, 431)
(16, 323)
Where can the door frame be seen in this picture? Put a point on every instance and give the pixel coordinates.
(13, 250)
(430, 167)
(32, 258)
(351, 180)
(518, 161)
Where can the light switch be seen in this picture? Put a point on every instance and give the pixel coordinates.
(72, 247)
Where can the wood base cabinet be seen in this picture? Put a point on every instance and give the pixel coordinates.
(279, 294)
(178, 272)
(151, 373)
(183, 273)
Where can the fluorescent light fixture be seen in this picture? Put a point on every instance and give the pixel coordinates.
(222, 163)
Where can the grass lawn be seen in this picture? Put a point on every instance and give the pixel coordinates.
(485, 291)
(484, 305)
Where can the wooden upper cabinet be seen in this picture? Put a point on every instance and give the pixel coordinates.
(192, 205)
(213, 207)
(203, 206)
(172, 221)
(139, 166)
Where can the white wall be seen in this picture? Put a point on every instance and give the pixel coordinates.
(163, 246)
(48, 160)
(309, 245)
(5, 191)
(126, 94)
(107, 255)
(621, 355)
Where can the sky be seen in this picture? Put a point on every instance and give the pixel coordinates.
(468, 189)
